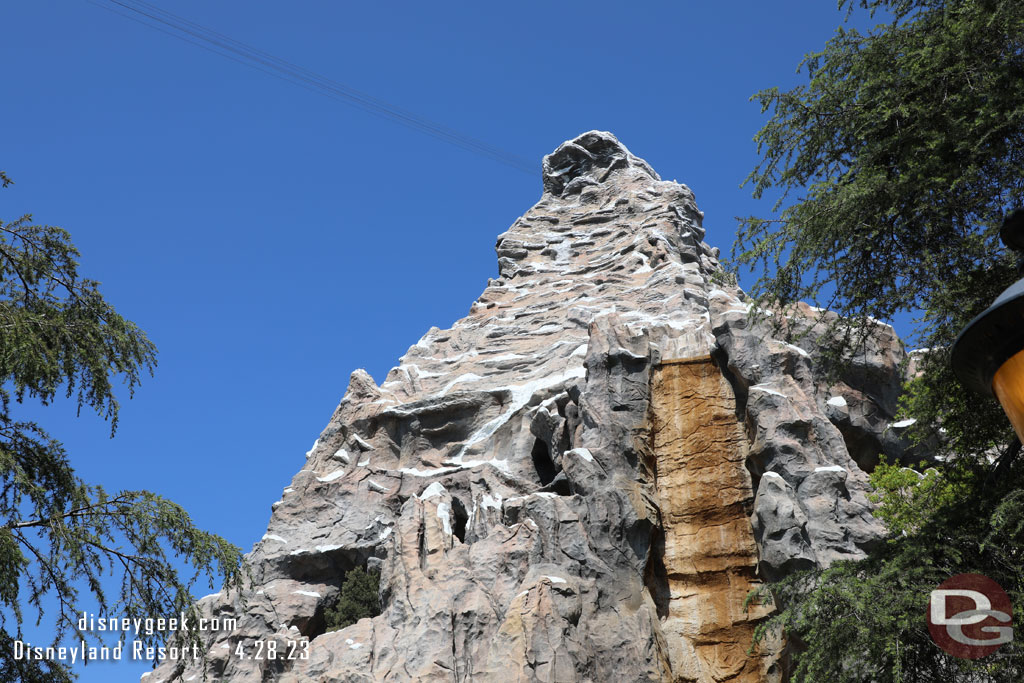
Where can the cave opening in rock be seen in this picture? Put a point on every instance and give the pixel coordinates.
(542, 462)
(560, 486)
(656, 576)
(358, 598)
(459, 519)
(352, 579)
(864, 448)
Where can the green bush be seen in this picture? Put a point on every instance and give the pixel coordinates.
(907, 498)
(358, 599)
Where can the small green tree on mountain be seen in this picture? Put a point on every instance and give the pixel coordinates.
(61, 539)
(357, 600)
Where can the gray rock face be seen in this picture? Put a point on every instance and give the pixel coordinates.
(504, 478)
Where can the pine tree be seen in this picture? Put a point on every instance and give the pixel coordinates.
(62, 539)
(358, 599)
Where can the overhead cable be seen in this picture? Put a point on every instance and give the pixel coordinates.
(179, 27)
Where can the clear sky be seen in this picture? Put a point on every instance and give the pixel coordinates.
(271, 240)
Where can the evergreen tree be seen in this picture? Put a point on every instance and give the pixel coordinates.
(894, 166)
(59, 536)
(357, 600)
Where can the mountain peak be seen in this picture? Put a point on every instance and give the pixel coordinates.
(589, 159)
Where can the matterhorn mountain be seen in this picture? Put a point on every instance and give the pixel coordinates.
(582, 479)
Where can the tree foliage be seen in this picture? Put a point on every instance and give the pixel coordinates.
(904, 150)
(358, 599)
(893, 166)
(906, 497)
(60, 538)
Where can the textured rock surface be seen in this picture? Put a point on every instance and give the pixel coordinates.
(708, 555)
(548, 494)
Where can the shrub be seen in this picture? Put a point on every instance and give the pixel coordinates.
(358, 599)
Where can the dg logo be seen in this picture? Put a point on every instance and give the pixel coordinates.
(970, 616)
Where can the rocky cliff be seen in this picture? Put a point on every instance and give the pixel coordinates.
(580, 480)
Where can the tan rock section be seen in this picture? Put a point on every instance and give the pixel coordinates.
(705, 495)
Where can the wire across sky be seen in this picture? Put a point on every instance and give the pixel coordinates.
(179, 27)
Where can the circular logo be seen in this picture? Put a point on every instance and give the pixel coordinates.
(970, 616)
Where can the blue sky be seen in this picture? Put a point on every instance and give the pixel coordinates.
(271, 240)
